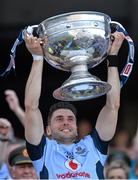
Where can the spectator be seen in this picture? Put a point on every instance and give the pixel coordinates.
(84, 127)
(20, 164)
(5, 137)
(14, 105)
(117, 166)
(121, 141)
(13, 102)
(117, 170)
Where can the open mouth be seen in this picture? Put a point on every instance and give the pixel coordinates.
(66, 130)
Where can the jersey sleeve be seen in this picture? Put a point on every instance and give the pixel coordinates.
(36, 151)
(101, 145)
(37, 155)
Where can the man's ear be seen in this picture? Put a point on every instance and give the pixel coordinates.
(12, 171)
(48, 130)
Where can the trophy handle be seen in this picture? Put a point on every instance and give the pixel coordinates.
(32, 30)
(125, 73)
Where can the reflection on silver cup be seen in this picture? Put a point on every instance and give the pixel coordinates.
(76, 42)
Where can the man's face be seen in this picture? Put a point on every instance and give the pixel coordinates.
(117, 173)
(4, 128)
(23, 171)
(63, 126)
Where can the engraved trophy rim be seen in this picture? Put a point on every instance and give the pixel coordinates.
(75, 13)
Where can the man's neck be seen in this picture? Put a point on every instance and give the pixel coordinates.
(65, 141)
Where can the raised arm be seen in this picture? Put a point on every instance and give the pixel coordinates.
(34, 124)
(14, 105)
(107, 119)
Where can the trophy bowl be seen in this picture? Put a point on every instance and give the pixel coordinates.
(76, 42)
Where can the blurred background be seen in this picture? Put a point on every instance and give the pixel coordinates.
(15, 15)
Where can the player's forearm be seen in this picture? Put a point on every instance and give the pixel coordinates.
(33, 87)
(107, 119)
(113, 96)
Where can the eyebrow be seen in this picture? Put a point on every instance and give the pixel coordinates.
(4, 126)
(60, 116)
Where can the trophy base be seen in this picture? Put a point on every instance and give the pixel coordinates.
(85, 89)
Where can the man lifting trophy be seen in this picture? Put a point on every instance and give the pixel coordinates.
(73, 42)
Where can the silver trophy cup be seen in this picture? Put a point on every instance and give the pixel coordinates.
(76, 42)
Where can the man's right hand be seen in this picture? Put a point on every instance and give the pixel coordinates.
(116, 43)
(34, 44)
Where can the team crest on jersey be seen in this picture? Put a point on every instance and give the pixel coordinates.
(73, 164)
(81, 151)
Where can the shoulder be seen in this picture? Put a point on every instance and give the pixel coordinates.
(95, 140)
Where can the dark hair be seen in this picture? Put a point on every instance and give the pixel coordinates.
(60, 105)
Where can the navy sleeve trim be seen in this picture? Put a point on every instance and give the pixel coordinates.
(36, 151)
(99, 170)
(101, 145)
(44, 174)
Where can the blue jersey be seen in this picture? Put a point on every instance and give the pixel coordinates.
(81, 160)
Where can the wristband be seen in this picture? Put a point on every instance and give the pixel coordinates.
(112, 61)
(37, 57)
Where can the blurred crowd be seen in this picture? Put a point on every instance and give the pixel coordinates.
(122, 161)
